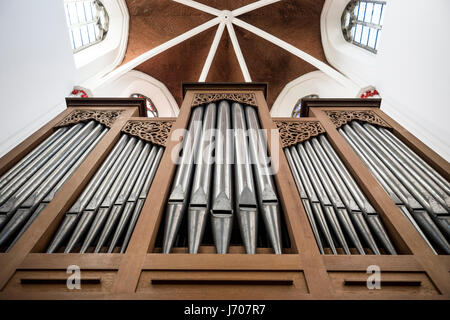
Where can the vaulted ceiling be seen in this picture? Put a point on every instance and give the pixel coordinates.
(153, 22)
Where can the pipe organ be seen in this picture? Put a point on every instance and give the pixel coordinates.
(224, 202)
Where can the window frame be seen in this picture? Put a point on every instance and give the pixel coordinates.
(96, 19)
(349, 21)
(148, 101)
(297, 113)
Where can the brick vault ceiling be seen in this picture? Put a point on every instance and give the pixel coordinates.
(153, 22)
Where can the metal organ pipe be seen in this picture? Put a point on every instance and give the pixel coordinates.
(178, 199)
(112, 201)
(26, 187)
(267, 198)
(304, 197)
(419, 191)
(93, 210)
(370, 220)
(230, 139)
(137, 197)
(345, 204)
(73, 215)
(222, 200)
(313, 198)
(323, 198)
(200, 191)
(330, 196)
(246, 208)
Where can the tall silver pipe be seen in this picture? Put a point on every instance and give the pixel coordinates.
(408, 215)
(364, 205)
(33, 217)
(50, 195)
(427, 197)
(22, 164)
(110, 197)
(14, 202)
(313, 198)
(136, 210)
(200, 191)
(304, 197)
(420, 176)
(267, 196)
(421, 194)
(417, 177)
(181, 186)
(414, 207)
(426, 181)
(21, 177)
(247, 211)
(384, 176)
(138, 196)
(222, 198)
(90, 211)
(429, 227)
(425, 167)
(346, 197)
(323, 197)
(333, 196)
(77, 208)
(32, 202)
(69, 164)
(119, 203)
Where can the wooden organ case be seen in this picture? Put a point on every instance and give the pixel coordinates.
(314, 263)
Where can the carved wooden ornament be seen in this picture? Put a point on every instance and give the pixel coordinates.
(339, 118)
(294, 132)
(106, 117)
(204, 98)
(154, 131)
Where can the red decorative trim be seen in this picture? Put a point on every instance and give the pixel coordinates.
(77, 91)
(369, 93)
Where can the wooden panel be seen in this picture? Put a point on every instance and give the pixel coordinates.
(404, 283)
(223, 285)
(56, 281)
(360, 262)
(214, 261)
(105, 261)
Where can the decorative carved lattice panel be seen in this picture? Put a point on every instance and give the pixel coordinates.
(245, 98)
(106, 117)
(339, 118)
(154, 131)
(294, 132)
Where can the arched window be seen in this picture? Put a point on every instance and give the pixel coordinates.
(152, 112)
(296, 112)
(362, 23)
(88, 22)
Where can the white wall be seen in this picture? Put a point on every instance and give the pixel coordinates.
(36, 67)
(414, 69)
(411, 70)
